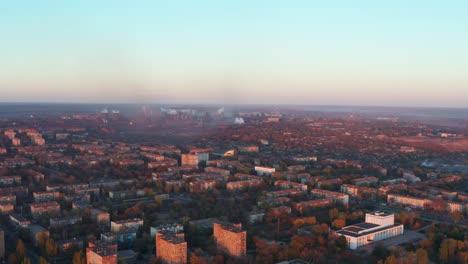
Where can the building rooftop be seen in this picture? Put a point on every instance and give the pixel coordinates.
(172, 237)
(103, 249)
(36, 229)
(231, 227)
(125, 221)
(357, 231)
(382, 214)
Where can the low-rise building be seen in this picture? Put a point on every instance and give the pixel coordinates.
(291, 185)
(249, 149)
(10, 180)
(410, 177)
(217, 171)
(245, 184)
(38, 209)
(122, 237)
(407, 200)
(339, 198)
(200, 185)
(174, 228)
(58, 222)
(40, 197)
(126, 224)
(100, 217)
(7, 207)
(283, 193)
(8, 198)
(366, 181)
(319, 203)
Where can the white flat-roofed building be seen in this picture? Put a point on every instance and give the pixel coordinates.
(378, 226)
(264, 171)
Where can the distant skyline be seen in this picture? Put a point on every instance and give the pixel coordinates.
(371, 53)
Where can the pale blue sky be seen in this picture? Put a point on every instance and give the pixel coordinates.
(411, 53)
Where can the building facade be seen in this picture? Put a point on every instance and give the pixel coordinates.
(101, 253)
(171, 247)
(230, 238)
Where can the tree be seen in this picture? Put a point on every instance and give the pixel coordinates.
(42, 260)
(380, 251)
(42, 239)
(390, 260)
(12, 259)
(421, 256)
(300, 222)
(409, 258)
(159, 201)
(219, 259)
(456, 216)
(20, 250)
(197, 258)
(78, 258)
(341, 242)
(338, 223)
(333, 213)
(26, 261)
(184, 219)
(51, 248)
(444, 252)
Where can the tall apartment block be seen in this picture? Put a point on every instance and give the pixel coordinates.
(230, 238)
(171, 247)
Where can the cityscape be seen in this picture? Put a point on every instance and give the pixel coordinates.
(237, 184)
(233, 132)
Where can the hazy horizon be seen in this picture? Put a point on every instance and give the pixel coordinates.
(364, 53)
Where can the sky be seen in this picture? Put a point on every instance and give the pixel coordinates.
(360, 52)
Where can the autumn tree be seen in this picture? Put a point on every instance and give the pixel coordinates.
(42, 260)
(450, 249)
(422, 256)
(333, 213)
(300, 222)
(51, 248)
(390, 260)
(26, 261)
(79, 258)
(197, 257)
(456, 216)
(12, 258)
(409, 258)
(219, 259)
(20, 250)
(338, 223)
(159, 201)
